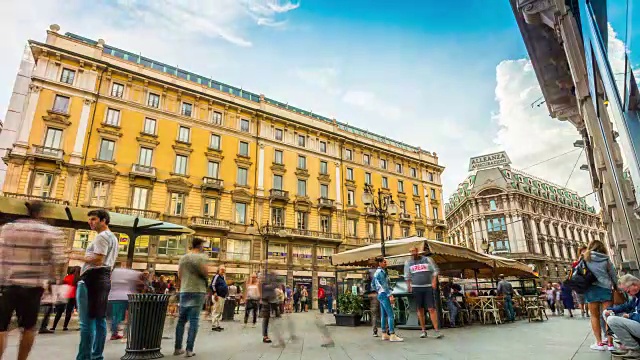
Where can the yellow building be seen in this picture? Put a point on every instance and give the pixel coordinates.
(103, 127)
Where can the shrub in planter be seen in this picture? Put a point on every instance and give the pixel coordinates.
(349, 310)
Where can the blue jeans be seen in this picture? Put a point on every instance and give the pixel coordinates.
(386, 313)
(453, 311)
(190, 307)
(118, 309)
(330, 304)
(93, 332)
(508, 308)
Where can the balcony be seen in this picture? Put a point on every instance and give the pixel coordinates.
(48, 153)
(324, 203)
(277, 194)
(212, 183)
(143, 170)
(405, 217)
(44, 199)
(303, 233)
(370, 210)
(209, 223)
(439, 222)
(148, 214)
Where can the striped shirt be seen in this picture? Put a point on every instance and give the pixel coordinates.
(30, 251)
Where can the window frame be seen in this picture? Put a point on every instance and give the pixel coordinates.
(303, 183)
(244, 144)
(368, 178)
(104, 197)
(242, 125)
(416, 189)
(279, 152)
(366, 159)
(110, 115)
(351, 198)
(348, 154)
(148, 120)
(184, 106)
(117, 86)
(350, 174)
(180, 133)
(277, 131)
(68, 71)
(246, 176)
(326, 167)
(302, 140)
(186, 164)
(385, 182)
(179, 200)
(322, 147)
(145, 150)
(153, 104)
(302, 162)
(216, 117)
(400, 186)
(217, 142)
(55, 109)
(240, 219)
(59, 138)
(113, 151)
(383, 164)
(213, 164)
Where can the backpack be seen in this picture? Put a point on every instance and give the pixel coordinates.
(581, 278)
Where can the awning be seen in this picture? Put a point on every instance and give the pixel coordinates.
(364, 256)
(507, 267)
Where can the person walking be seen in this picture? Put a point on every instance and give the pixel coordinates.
(580, 297)
(374, 306)
(123, 282)
(268, 299)
(296, 299)
(321, 299)
(551, 299)
(192, 272)
(328, 293)
(421, 274)
(219, 292)
(251, 299)
(505, 289)
(557, 293)
(386, 299)
(94, 286)
(624, 319)
(71, 280)
(599, 295)
(304, 298)
(566, 296)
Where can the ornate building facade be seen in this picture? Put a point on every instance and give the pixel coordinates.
(512, 214)
(96, 126)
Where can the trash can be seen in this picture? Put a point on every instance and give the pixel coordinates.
(229, 310)
(147, 313)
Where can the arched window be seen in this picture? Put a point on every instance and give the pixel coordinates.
(492, 205)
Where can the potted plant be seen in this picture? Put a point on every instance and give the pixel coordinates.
(349, 310)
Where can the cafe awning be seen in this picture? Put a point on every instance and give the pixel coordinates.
(507, 267)
(364, 256)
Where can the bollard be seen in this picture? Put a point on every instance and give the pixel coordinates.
(147, 313)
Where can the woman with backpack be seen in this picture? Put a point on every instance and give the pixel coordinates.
(599, 295)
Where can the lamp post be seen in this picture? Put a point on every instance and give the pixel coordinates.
(383, 206)
(265, 232)
(486, 247)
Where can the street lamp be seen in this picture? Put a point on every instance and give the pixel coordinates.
(486, 247)
(383, 206)
(265, 232)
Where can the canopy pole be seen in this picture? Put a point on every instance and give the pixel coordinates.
(475, 273)
(132, 243)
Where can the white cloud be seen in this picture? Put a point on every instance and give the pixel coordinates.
(370, 102)
(326, 78)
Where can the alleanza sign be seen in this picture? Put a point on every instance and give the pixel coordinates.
(490, 160)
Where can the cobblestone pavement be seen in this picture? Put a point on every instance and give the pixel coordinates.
(558, 338)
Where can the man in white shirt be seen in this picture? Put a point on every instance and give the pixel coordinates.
(94, 285)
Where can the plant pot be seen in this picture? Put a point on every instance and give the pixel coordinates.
(347, 319)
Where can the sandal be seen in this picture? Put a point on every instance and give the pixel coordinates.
(266, 340)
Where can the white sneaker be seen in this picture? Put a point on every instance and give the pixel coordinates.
(385, 336)
(611, 348)
(423, 335)
(395, 338)
(598, 347)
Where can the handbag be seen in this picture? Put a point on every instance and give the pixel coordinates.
(581, 278)
(619, 297)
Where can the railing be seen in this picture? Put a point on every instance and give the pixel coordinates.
(370, 210)
(439, 222)
(278, 194)
(48, 151)
(148, 214)
(324, 202)
(209, 222)
(38, 198)
(307, 233)
(212, 183)
(405, 216)
(143, 170)
(237, 256)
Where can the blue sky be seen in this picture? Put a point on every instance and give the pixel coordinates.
(439, 77)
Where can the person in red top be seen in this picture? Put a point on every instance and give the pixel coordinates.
(580, 297)
(321, 299)
(581, 251)
(72, 280)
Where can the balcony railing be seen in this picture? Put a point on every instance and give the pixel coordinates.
(148, 214)
(209, 222)
(278, 194)
(405, 216)
(45, 199)
(307, 233)
(212, 183)
(48, 152)
(370, 210)
(439, 222)
(143, 170)
(325, 203)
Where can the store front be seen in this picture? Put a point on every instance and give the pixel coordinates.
(307, 282)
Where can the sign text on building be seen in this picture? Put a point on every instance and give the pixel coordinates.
(487, 161)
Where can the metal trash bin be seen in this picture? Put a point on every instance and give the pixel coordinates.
(147, 313)
(229, 310)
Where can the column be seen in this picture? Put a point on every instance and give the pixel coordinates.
(545, 243)
(81, 135)
(22, 142)
(534, 232)
(476, 235)
(261, 167)
(483, 227)
(511, 233)
(338, 186)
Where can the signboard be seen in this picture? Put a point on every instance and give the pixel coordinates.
(488, 161)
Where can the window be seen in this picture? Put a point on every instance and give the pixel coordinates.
(323, 168)
(106, 150)
(113, 117)
(238, 250)
(388, 232)
(420, 232)
(400, 186)
(366, 158)
(117, 90)
(385, 182)
(241, 178)
(399, 168)
(277, 217)
(278, 252)
(139, 198)
(42, 184)
(279, 134)
(278, 157)
(187, 109)
(149, 126)
(211, 246)
(67, 76)
(433, 194)
(435, 213)
(244, 125)
(418, 211)
(216, 118)
(367, 178)
(241, 213)
(430, 176)
(415, 189)
(184, 134)
(214, 143)
(81, 239)
(301, 253)
(403, 207)
(176, 207)
(348, 154)
(383, 164)
(244, 148)
(352, 227)
(302, 219)
(153, 100)
(277, 182)
(61, 104)
(323, 147)
(371, 230)
(492, 205)
(351, 198)
(210, 207)
(324, 191)
(99, 192)
(181, 165)
(52, 138)
(349, 174)
(414, 172)
(325, 223)
(302, 140)
(302, 187)
(302, 162)
(213, 169)
(145, 156)
(405, 232)
(172, 245)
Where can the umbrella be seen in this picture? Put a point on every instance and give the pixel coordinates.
(363, 256)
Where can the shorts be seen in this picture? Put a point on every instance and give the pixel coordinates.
(580, 298)
(24, 301)
(597, 294)
(424, 297)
